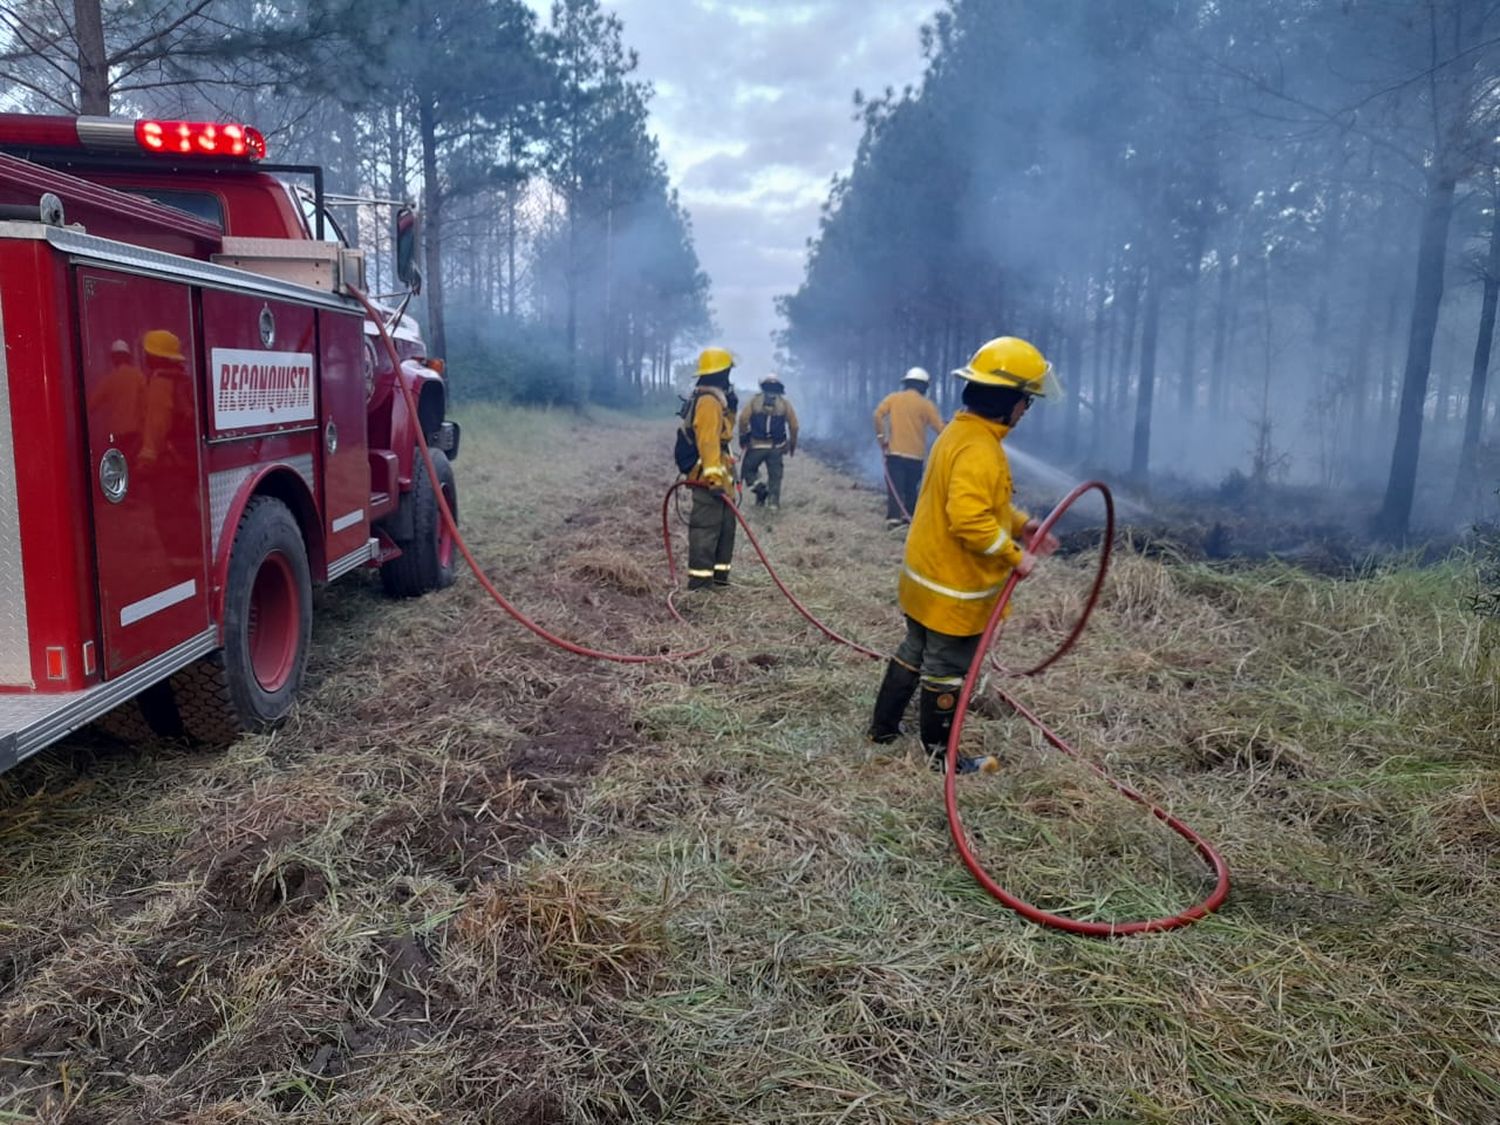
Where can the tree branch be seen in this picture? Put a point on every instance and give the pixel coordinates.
(66, 107)
(156, 36)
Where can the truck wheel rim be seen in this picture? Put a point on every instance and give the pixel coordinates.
(445, 536)
(274, 620)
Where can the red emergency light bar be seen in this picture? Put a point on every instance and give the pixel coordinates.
(122, 134)
(200, 138)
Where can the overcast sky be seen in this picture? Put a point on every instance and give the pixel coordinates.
(754, 112)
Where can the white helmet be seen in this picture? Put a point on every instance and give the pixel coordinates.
(916, 375)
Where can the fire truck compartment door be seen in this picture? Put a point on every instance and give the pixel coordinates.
(346, 465)
(146, 476)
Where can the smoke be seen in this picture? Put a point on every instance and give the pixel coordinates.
(1225, 294)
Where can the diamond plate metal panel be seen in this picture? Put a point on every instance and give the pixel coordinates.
(223, 485)
(15, 640)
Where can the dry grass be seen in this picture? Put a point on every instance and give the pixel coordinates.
(475, 880)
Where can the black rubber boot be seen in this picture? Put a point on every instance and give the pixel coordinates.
(938, 708)
(760, 490)
(890, 702)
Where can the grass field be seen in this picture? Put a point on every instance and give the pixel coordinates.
(477, 880)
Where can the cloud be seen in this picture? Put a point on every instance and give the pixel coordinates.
(754, 110)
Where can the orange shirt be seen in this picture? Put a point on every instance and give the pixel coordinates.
(903, 419)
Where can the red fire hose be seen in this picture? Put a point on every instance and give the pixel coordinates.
(452, 526)
(1020, 906)
(890, 485)
(1215, 862)
(666, 539)
(950, 796)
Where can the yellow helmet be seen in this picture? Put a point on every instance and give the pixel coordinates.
(713, 360)
(162, 344)
(1008, 361)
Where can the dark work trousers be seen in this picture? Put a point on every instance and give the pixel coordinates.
(772, 459)
(906, 475)
(710, 539)
(942, 659)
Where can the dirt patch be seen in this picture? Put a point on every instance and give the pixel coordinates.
(1236, 751)
(576, 731)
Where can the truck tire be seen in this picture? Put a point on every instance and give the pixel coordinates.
(427, 558)
(150, 715)
(250, 683)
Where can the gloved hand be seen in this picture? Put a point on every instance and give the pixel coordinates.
(791, 450)
(744, 441)
(1026, 565)
(717, 479)
(1042, 548)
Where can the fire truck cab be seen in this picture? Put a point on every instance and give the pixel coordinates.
(197, 425)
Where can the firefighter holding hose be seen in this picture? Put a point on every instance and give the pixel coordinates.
(901, 423)
(768, 431)
(704, 440)
(966, 537)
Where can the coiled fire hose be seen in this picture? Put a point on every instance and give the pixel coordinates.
(950, 796)
(1032, 913)
(1215, 862)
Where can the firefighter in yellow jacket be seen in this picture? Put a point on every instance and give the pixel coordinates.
(965, 539)
(768, 430)
(710, 421)
(901, 423)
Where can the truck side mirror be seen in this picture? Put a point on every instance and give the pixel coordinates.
(406, 248)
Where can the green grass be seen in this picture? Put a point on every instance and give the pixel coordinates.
(476, 880)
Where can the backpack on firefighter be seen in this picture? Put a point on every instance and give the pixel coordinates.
(768, 423)
(685, 451)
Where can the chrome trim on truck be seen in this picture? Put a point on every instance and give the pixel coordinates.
(15, 637)
(354, 559)
(33, 721)
(172, 267)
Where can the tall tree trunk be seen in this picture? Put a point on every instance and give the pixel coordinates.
(1218, 377)
(1103, 345)
(93, 65)
(396, 156)
(1187, 389)
(511, 195)
(1389, 380)
(432, 193)
(1466, 485)
(1140, 454)
(1358, 380)
(1427, 300)
(1077, 326)
(1120, 397)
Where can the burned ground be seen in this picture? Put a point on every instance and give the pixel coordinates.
(477, 880)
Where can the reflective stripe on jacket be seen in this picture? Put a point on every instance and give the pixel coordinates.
(902, 420)
(769, 426)
(965, 535)
(713, 431)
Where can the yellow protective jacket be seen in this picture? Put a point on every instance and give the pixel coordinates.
(713, 430)
(902, 420)
(965, 535)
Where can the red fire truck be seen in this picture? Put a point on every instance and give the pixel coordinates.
(197, 426)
